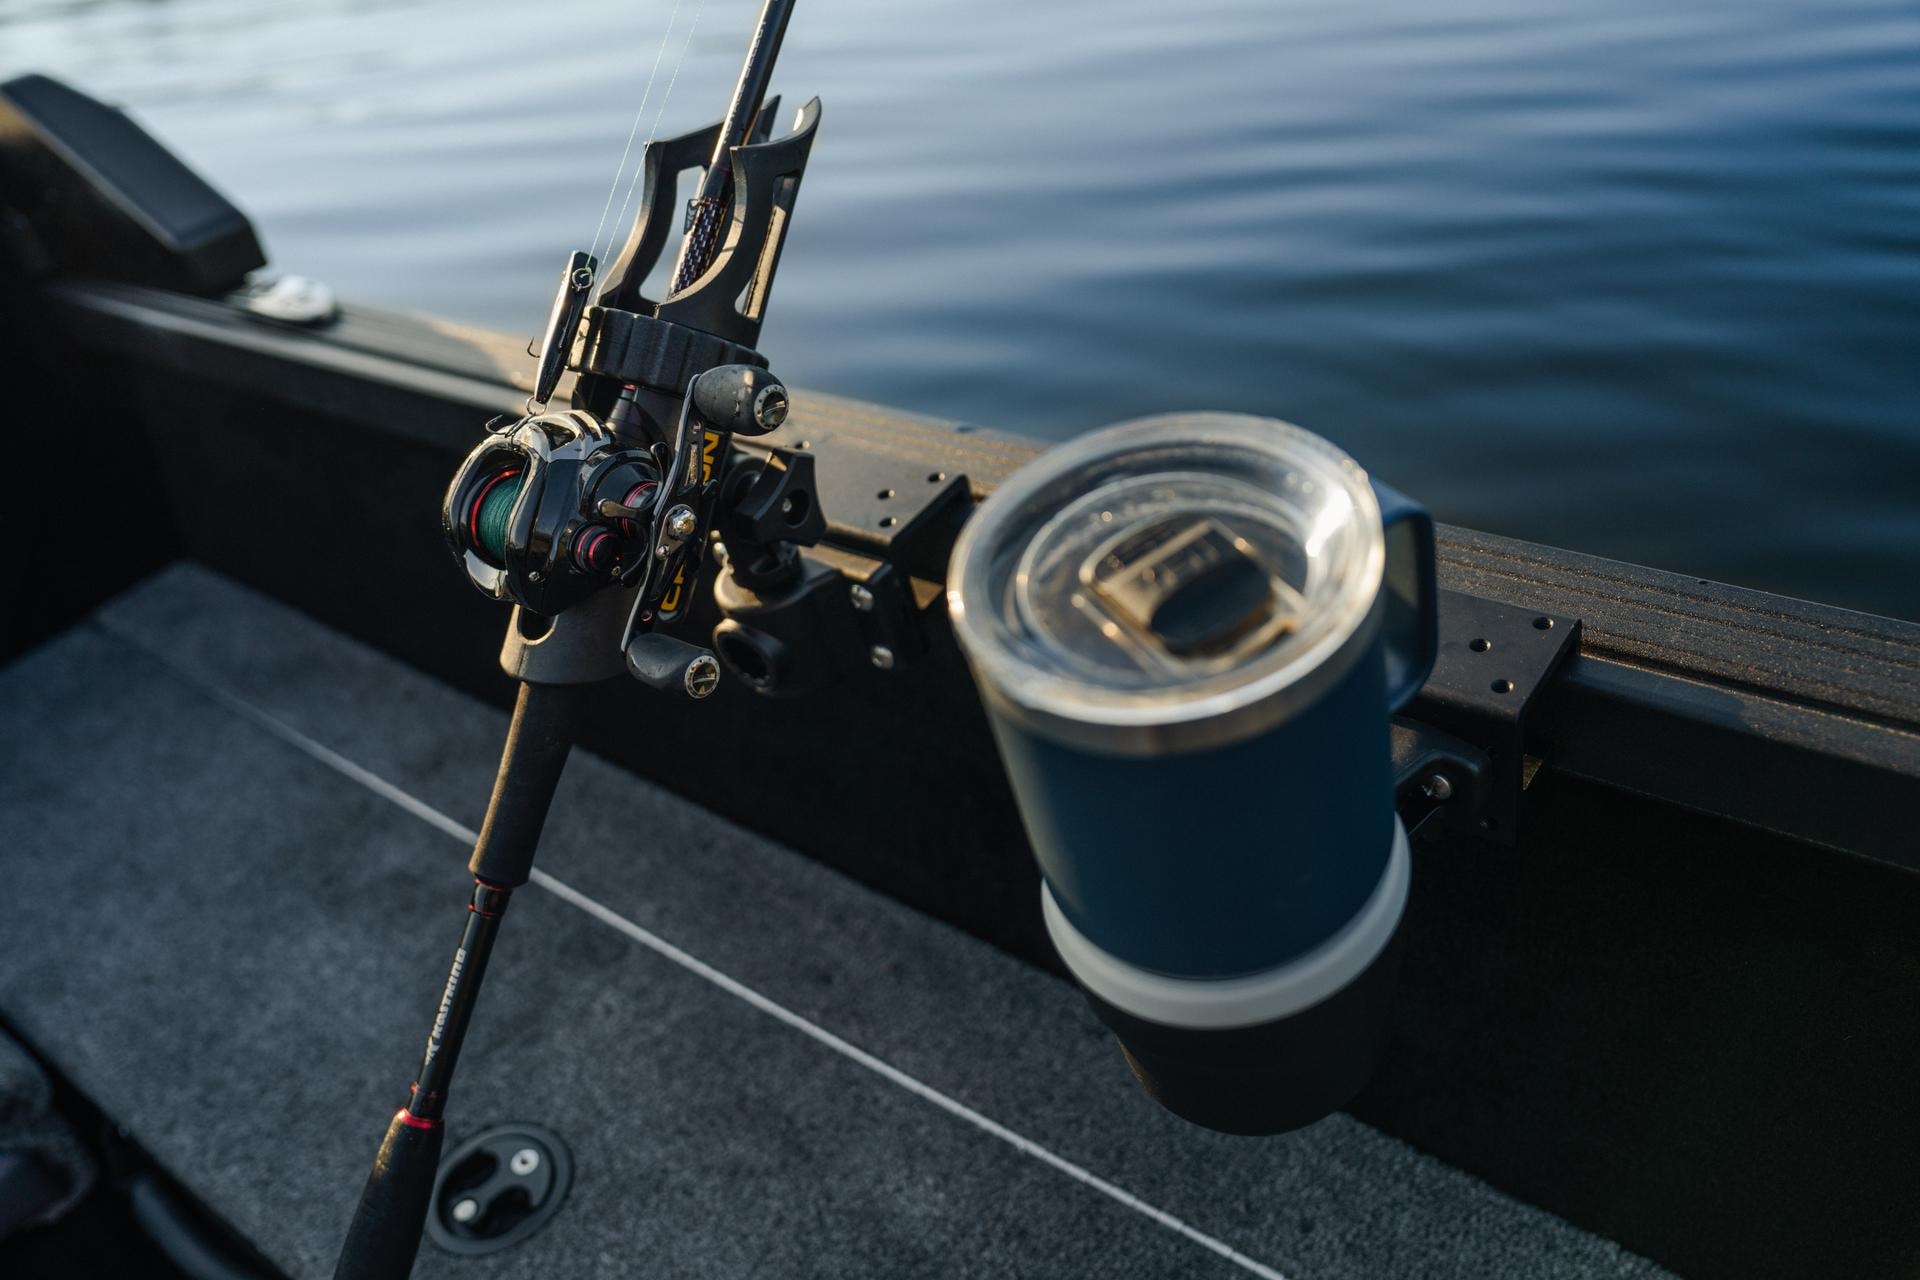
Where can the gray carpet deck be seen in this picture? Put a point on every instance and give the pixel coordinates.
(232, 940)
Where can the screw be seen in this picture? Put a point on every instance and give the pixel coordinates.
(524, 1161)
(882, 657)
(770, 406)
(862, 598)
(466, 1210)
(703, 676)
(1438, 787)
(535, 576)
(680, 522)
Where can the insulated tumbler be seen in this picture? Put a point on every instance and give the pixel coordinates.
(1189, 633)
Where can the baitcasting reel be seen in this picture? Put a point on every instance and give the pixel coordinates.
(553, 507)
(523, 513)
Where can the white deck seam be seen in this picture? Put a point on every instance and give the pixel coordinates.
(420, 809)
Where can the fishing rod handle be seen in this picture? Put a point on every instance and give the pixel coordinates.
(385, 1234)
(545, 719)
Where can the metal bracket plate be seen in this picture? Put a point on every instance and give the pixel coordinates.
(1494, 659)
(884, 505)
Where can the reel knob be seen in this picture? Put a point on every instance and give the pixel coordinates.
(740, 398)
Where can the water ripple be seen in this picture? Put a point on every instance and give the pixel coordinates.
(1639, 278)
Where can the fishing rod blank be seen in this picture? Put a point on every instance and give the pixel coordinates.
(709, 207)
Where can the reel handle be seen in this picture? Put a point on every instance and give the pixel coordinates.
(670, 665)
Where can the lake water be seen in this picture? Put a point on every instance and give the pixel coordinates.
(1638, 278)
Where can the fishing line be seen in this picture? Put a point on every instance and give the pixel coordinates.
(633, 129)
(659, 114)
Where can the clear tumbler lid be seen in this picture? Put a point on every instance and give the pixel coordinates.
(1174, 582)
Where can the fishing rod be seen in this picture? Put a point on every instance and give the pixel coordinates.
(594, 522)
(709, 205)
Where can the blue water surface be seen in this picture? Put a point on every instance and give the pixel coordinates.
(1637, 278)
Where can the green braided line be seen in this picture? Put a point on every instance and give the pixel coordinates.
(495, 509)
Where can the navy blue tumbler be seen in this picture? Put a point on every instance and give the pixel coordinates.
(1189, 633)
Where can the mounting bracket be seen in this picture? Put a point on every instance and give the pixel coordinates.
(1493, 662)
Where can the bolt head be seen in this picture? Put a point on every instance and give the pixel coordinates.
(862, 597)
(681, 523)
(703, 676)
(1438, 786)
(770, 406)
(882, 657)
(466, 1210)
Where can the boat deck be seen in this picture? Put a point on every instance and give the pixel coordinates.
(235, 847)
